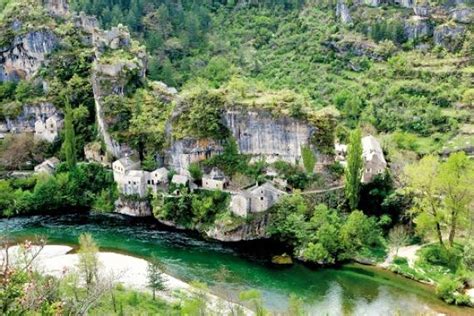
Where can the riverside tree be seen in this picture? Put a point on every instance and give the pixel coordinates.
(353, 172)
(444, 192)
(156, 281)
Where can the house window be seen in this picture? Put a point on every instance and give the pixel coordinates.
(153, 182)
(129, 182)
(261, 198)
(148, 182)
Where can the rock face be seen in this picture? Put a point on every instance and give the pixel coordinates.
(25, 122)
(342, 11)
(133, 208)
(57, 7)
(258, 133)
(26, 54)
(184, 152)
(422, 10)
(418, 27)
(255, 229)
(449, 36)
(462, 15)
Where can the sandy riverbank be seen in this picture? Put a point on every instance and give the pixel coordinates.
(56, 260)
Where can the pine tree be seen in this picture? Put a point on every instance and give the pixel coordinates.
(69, 145)
(354, 168)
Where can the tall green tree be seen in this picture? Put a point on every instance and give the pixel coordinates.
(353, 172)
(156, 281)
(444, 193)
(309, 160)
(69, 145)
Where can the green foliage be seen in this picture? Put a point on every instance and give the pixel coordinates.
(353, 174)
(69, 145)
(230, 161)
(443, 192)
(191, 209)
(322, 235)
(203, 116)
(195, 171)
(88, 263)
(86, 186)
(309, 159)
(156, 280)
(449, 291)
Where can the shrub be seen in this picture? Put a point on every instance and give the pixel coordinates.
(437, 255)
(400, 260)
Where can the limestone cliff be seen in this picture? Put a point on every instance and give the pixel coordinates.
(30, 113)
(25, 54)
(274, 138)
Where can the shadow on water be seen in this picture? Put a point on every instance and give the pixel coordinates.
(351, 289)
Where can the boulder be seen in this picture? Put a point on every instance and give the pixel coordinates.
(449, 36)
(284, 259)
(57, 7)
(422, 10)
(342, 11)
(417, 27)
(462, 15)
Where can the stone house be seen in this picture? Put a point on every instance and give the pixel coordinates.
(122, 166)
(215, 180)
(48, 129)
(256, 199)
(159, 177)
(48, 166)
(135, 182)
(374, 160)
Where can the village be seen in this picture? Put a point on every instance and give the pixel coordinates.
(133, 181)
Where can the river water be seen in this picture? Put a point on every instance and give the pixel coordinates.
(348, 290)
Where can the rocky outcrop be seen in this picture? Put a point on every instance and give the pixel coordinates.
(417, 27)
(258, 133)
(462, 15)
(89, 24)
(186, 151)
(135, 208)
(251, 230)
(57, 7)
(422, 10)
(449, 36)
(354, 46)
(26, 54)
(342, 12)
(29, 115)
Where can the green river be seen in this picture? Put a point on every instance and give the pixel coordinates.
(349, 290)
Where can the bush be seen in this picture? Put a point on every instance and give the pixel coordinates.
(448, 290)
(437, 255)
(400, 260)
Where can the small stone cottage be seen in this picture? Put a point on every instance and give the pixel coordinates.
(374, 160)
(215, 180)
(256, 199)
(48, 166)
